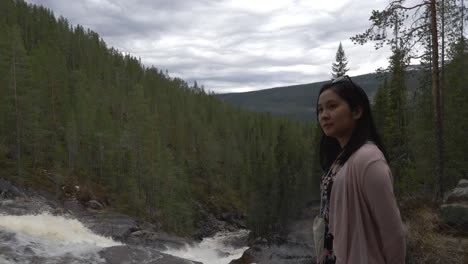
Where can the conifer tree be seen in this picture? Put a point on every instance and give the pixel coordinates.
(339, 67)
(407, 36)
(380, 105)
(395, 132)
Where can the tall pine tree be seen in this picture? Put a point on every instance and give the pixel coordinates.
(339, 67)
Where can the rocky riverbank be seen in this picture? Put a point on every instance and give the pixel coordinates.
(143, 241)
(297, 247)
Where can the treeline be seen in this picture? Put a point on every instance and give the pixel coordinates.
(72, 106)
(424, 127)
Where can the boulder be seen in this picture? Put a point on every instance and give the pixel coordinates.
(455, 209)
(456, 214)
(459, 194)
(463, 183)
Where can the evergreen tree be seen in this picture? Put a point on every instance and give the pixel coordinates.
(456, 117)
(380, 105)
(395, 131)
(406, 37)
(339, 67)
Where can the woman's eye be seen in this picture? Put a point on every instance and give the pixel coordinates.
(333, 106)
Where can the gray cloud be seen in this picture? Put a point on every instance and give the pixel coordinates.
(232, 45)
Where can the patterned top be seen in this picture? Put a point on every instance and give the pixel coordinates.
(326, 185)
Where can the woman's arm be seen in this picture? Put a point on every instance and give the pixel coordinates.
(378, 190)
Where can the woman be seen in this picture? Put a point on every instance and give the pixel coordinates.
(358, 204)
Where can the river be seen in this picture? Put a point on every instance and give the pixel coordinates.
(50, 239)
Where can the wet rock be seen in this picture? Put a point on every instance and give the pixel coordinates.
(136, 255)
(93, 204)
(157, 240)
(109, 224)
(8, 191)
(285, 253)
(212, 222)
(74, 206)
(19, 201)
(296, 247)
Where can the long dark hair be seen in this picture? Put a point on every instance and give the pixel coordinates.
(364, 131)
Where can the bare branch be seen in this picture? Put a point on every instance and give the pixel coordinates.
(417, 57)
(410, 8)
(417, 41)
(409, 33)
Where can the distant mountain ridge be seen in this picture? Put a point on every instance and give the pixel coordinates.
(296, 101)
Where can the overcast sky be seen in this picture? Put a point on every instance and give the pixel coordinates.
(233, 45)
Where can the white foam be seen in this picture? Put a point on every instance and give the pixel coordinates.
(53, 227)
(51, 236)
(212, 250)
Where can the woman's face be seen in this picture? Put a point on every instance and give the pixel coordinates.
(335, 116)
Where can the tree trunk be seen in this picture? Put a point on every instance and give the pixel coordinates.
(442, 72)
(436, 93)
(17, 117)
(52, 102)
(462, 19)
(101, 160)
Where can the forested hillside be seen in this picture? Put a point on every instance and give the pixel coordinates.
(74, 110)
(298, 101)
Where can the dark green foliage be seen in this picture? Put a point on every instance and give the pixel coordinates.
(395, 121)
(158, 146)
(406, 121)
(456, 113)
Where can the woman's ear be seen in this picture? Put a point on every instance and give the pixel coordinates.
(357, 112)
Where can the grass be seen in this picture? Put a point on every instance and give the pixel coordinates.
(429, 239)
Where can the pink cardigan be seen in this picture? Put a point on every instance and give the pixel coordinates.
(364, 217)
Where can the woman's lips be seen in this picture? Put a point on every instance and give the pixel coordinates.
(326, 126)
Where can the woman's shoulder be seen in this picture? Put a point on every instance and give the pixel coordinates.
(367, 153)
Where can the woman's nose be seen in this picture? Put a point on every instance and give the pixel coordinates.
(324, 115)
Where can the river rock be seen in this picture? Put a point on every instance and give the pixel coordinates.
(109, 224)
(158, 240)
(296, 247)
(73, 206)
(93, 204)
(455, 210)
(136, 255)
(213, 221)
(17, 201)
(272, 253)
(8, 191)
